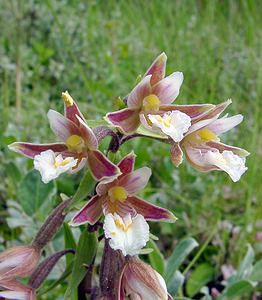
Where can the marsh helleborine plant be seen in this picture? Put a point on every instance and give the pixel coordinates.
(115, 206)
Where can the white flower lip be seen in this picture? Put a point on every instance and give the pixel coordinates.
(51, 166)
(229, 162)
(127, 234)
(174, 124)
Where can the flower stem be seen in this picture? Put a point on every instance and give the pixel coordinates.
(111, 266)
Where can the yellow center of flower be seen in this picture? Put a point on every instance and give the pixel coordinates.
(75, 143)
(151, 103)
(67, 99)
(117, 193)
(124, 226)
(62, 163)
(207, 135)
(166, 122)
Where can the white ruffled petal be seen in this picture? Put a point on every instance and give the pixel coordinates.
(129, 235)
(229, 162)
(174, 124)
(51, 166)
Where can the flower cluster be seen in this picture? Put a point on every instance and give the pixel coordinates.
(193, 130)
(17, 262)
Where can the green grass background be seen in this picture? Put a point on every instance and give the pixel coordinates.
(96, 50)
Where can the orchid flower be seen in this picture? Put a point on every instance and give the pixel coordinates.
(18, 261)
(79, 146)
(149, 104)
(203, 148)
(11, 289)
(118, 196)
(138, 280)
(127, 234)
(149, 95)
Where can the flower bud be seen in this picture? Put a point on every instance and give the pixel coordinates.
(11, 289)
(51, 225)
(43, 269)
(18, 261)
(138, 280)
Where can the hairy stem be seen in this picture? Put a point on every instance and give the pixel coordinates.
(111, 266)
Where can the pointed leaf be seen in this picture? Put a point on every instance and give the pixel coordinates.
(156, 258)
(85, 188)
(69, 242)
(238, 289)
(181, 251)
(176, 283)
(256, 274)
(85, 253)
(199, 277)
(34, 194)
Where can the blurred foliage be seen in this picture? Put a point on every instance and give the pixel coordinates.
(96, 50)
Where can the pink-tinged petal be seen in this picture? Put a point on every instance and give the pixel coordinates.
(135, 181)
(81, 162)
(102, 187)
(168, 88)
(16, 290)
(199, 125)
(140, 91)
(87, 134)
(61, 126)
(196, 157)
(214, 112)
(71, 109)
(169, 297)
(100, 166)
(121, 208)
(193, 111)
(222, 125)
(126, 120)
(157, 69)
(90, 213)
(31, 150)
(120, 293)
(176, 154)
(223, 147)
(126, 165)
(150, 211)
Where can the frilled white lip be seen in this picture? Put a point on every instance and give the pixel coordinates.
(51, 165)
(229, 162)
(127, 234)
(174, 124)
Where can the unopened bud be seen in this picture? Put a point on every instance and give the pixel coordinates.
(139, 280)
(51, 225)
(42, 271)
(12, 289)
(18, 262)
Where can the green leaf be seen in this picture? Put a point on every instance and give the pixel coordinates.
(34, 195)
(85, 187)
(256, 274)
(85, 253)
(176, 283)
(181, 251)
(237, 289)
(156, 258)
(199, 277)
(69, 242)
(246, 265)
